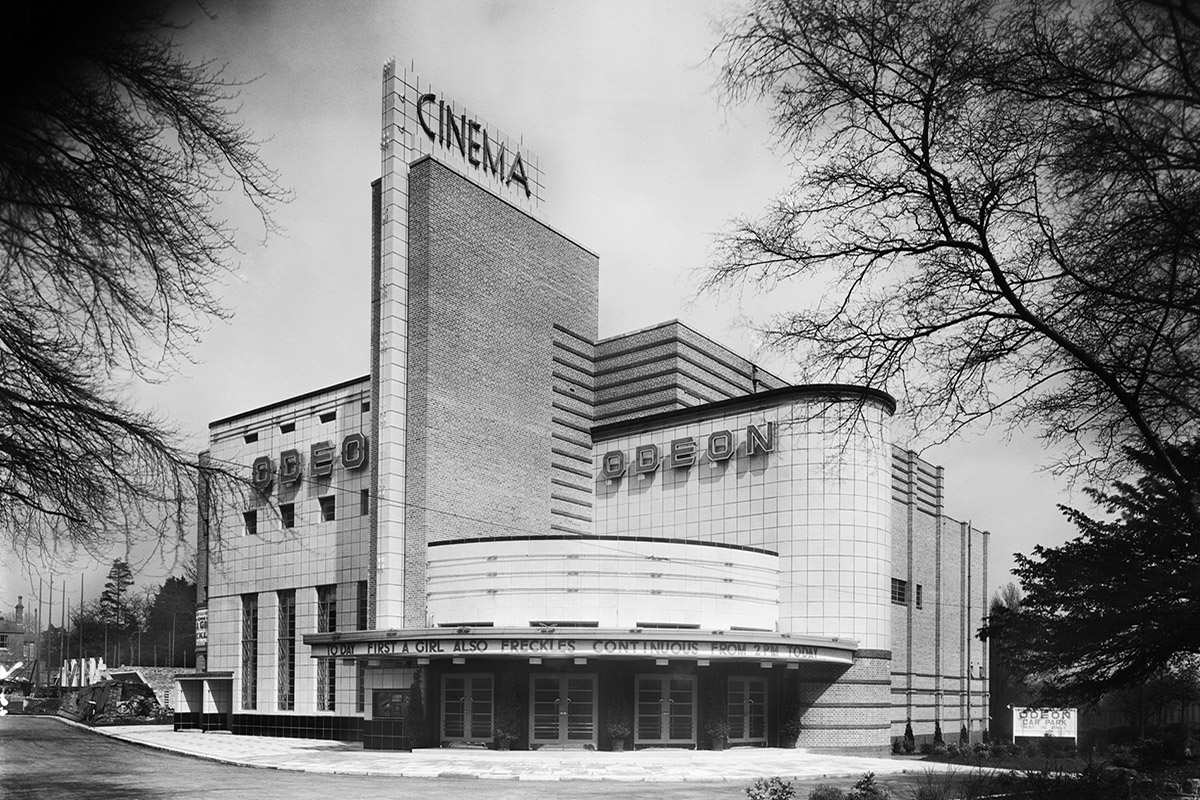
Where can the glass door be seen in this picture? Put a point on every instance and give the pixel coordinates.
(747, 710)
(564, 711)
(666, 710)
(467, 707)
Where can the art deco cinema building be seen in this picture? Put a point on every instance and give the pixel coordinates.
(545, 533)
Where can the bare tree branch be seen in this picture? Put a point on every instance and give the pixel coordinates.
(115, 155)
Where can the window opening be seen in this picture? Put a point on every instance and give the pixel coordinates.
(326, 667)
(249, 651)
(287, 649)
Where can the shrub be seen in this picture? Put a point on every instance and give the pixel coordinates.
(897, 744)
(774, 788)
(826, 792)
(910, 746)
(937, 733)
(934, 786)
(867, 789)
(939, 749)
(509, 713)
(964, 738)
(414, 723)
(926, 748)
(953, 751)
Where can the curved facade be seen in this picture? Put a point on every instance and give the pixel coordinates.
(605, 581)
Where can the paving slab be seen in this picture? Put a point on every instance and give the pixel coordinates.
(343, 758)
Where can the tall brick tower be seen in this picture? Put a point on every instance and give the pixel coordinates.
(479, 312)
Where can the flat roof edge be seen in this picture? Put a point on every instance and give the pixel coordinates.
(296, 399)
(750, 402)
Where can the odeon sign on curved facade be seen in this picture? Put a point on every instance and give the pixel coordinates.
(686, 451)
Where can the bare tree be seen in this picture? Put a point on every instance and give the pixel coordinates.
(116, 153)
(1000, 199)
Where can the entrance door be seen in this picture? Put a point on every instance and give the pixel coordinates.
(747, 710)
(564, 711)
(666, 710)
(467, 708)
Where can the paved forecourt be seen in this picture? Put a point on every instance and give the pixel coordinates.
(330, 757)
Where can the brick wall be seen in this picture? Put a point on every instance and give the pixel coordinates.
(487, 287)
(938, 665)
(669, 367)
(846, 710)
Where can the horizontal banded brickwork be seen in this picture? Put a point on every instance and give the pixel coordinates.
(573, 387)
(668, 367)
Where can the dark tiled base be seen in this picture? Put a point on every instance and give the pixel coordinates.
(342, 729)
(213, 722)
(384, 734)
(187, 720)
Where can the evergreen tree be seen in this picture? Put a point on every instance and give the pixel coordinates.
(1117, 604)
(115, 597)
(170, 633)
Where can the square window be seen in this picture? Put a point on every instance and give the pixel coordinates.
(327, 507)
(366, 406)
(287, 427)
(287, 513)
(251, 520)
(899, 592)
(251, 437)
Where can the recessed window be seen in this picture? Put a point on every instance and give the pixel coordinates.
(251, 437)
(366, 406)
(329, 416)
(899, 592)
(327, 508)
(287, 427)
(287, 513)
(251, 520)
(364, 502)
(361, 622)
(920, 596)
(286, 658)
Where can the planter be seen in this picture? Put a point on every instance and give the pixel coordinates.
(502, 744)
(618, 744)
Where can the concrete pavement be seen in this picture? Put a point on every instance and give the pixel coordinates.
(342, 758)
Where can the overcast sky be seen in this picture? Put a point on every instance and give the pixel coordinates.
(644, 165)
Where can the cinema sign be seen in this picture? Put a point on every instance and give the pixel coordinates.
(471, 139)
(687, 451)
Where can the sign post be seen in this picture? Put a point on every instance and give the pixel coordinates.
(1039, 722)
